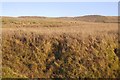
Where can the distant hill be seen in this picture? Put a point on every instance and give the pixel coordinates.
(32, 17)
(97, 18)
(86, 18)
(93, 18)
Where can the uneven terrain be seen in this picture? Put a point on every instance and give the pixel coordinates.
(72, 47)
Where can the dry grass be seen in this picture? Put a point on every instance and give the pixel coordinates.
(59, 48)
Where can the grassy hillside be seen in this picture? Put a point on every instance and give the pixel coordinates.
(98, 18)
(58, 48)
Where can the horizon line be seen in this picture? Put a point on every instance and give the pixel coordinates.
(56, 16)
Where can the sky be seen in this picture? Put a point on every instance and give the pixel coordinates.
(59, 9)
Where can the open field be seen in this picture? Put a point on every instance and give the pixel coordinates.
(79, 47)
